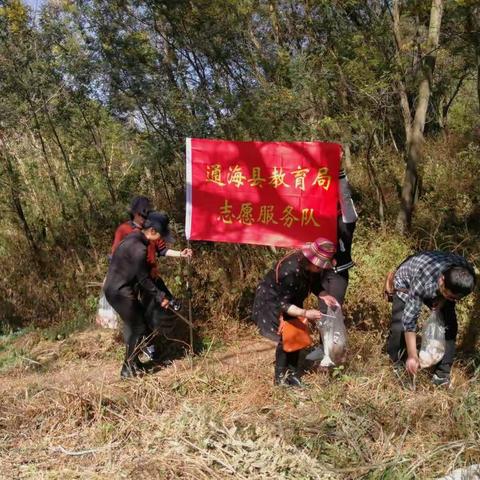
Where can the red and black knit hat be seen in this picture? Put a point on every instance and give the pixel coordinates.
(320, 252)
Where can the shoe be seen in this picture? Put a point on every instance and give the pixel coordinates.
(287, 378)
(141, 368)
(441, 380)
(135, 368)
(149, 352)
(127, 371)
(316, 355)
(293, 381)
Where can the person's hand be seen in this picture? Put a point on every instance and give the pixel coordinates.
(186, 253)
(412, 365)
(164, 303)
(329, 300)
(313, 314)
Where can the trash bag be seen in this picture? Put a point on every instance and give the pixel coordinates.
(106, 316)
(334, 337)
(433, 340)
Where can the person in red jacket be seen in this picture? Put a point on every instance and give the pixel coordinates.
(140, 207)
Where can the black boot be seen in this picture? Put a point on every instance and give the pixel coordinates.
(286, 367)
(279, 375)
(128, 371)
(292, 379)
(286, 377)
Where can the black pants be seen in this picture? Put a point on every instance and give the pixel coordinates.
(396, 346)
(149, 304)
(285, 360)
(131, 312)
(334, 284)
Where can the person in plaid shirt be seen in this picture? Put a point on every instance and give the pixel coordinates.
(438, 280)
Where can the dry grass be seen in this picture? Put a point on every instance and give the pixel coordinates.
(65, 414)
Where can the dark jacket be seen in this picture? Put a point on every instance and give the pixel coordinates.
(346, 222)
(129, 269)
(343, 256)
(288, 283)
(157, 247)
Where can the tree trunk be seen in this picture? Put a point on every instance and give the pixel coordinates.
(372, 174)
(478, 74)
(474, 23)
(415, 143)
(50, 169)
(401, 90)
(76, 184)
(16, 197)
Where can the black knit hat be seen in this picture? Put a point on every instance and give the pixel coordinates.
(140, 205)
(159, 221)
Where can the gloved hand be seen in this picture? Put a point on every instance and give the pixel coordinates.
(175, 304)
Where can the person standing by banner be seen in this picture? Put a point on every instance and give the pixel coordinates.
(335, 281)
(128, 272)
(278, 305)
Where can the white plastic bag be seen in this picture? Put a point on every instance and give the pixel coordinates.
(334, 337)
(433, 340)
(106, 316)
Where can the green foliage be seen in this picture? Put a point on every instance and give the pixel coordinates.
(98, 96)
(375, 254)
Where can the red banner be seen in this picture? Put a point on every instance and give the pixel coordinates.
(266, 193)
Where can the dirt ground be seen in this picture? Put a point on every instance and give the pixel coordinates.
(65, 413)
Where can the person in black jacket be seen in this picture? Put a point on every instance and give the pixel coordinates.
(129, 272)
(336, 282)
(280, 296)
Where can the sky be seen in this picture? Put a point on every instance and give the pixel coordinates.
(34, 3)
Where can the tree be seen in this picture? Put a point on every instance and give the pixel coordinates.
(414, 123)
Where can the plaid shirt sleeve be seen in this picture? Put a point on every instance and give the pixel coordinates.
(419, 275)
(422, 286)
(411, 312)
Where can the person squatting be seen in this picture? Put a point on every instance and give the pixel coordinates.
(438, 280)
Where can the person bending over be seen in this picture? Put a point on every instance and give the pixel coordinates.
(438, 280)
(280, 296)
(139, 209)
(128, 275)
